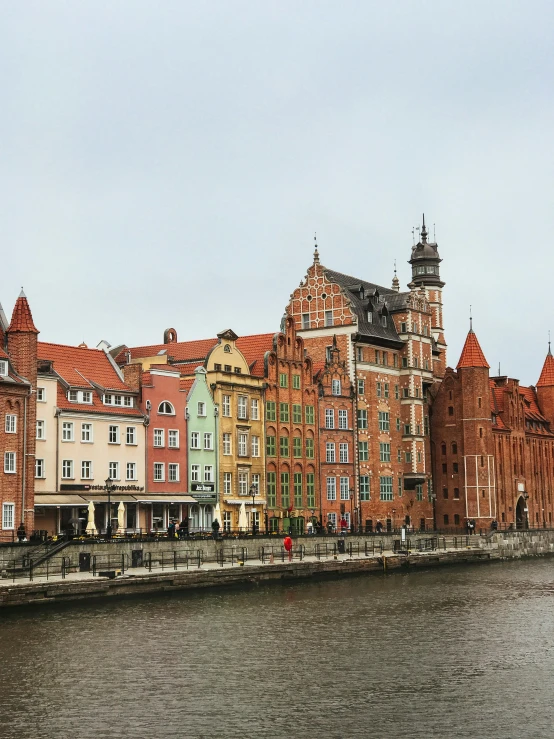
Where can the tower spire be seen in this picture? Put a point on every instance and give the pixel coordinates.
(423, 232)
(316, 252)
(395, 280)
(470, 320)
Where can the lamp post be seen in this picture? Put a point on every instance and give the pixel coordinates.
(253, 492)
(109, 489)
(351, 491)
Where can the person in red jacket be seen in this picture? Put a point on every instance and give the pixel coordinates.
(287, 543)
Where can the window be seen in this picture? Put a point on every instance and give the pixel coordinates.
(445, 493)
(296, 413)
(41, 430)
(310, 489)
(378, 389)
(359, 355)
(285, 490)
(11, 424)
(298, 490)
(9, 462)
(255, 444)
(407, 429)
(159, 472)
(419, 492)
(310, 415)
(113, 434)
(86, 397)
(172, 438)
(343, 452)
(328, 350)
(271, 410)
(404, 362)
(454, 467)
(195, 473)
(331, 488)
(243, 483)
(444, 468)
(113, 470)
(173, 472)
(408, 457)
(364, 487)
(385, 359)
(456, 493)
(67, 431)
(328, 317)
(335, 387)
(201, 408)
(305, 320)
(284, 446)
(254, 409)
(41, 394)
(386, 390)
(399, 455)
(445, 518)
(242, 407)
(384, 421)
(208, 473)
(195, 440)
(361, 387)
(362, 419)
(226, 367)
(385, 488)
(399, 487)
(158, 437)
(131, 435)
(8, 515)
(384, 452)
(343, 419)
(166, 409)
(271, 448)
(405, 392)
(238, 370)
(243, 445)
(227, 483)
(454, 448)
(296, 382)
(384, 321)
(284, 412)
(208, 441)
(450, 410)
(329, 418)
(226, 405)
(86, 470)
(310, 449)
(74, 396)
(271, 489)
(398, 424)
(297, 447)
(3, 368)
(217, 367)
(226, 444)
(377, 356)
(67, 469)
(329, 452)
(39, 467)
(256, 483)
(283, 379)
(131, 471)
(363, 451)
(396, 392)
(370, 316)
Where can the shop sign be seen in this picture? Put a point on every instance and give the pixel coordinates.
(203, 487)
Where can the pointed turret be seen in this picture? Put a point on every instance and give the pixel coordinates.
(22, 340)
(22, 318)
(395, 280)
(547, 375)
(425, 262)
(316, 252)
(472, 354)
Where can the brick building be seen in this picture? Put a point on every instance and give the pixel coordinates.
(18, 378)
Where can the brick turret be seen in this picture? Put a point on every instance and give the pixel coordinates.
(545, 388)
(22, 340)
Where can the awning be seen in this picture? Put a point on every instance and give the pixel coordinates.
(114, 498)
(184, 498)
(247, 500)
(59, 499)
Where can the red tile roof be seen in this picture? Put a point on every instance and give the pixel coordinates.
(547, 375)
(81, 367)
(186, 383)
(254, 348)
(22, 318)
(3, 354)
(472, 354)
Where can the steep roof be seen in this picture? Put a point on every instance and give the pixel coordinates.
(472, 354)
(547, 375)
(22, 318)
(254, 348)
(81, 367)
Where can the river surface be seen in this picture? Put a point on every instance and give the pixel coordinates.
(456, 652)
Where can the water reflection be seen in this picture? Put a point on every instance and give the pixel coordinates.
(444, 653)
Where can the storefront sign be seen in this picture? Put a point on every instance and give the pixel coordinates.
(76, 487)
(202, 487)
(120, 488)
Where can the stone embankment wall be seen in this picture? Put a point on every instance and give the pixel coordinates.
(516, 544)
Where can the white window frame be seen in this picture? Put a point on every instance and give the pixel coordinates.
(131, 466)
(226, 406)
(208, 473)
(328, 317)
(84, 470)
(242, 407)
(255, 445)
(201, 409)
(195, 439)
(227, 483)
(173, 439)
(330, 451)
(10, 463)
(329, 418)
(131, 433)
(164, 405)
(67, 431)
(195, 473)
(41, 395)
(227, 444)
(86, 429)
(242, 445)
(209, 438)
(331, 488)
(158, 474)
(3, 368)
(158, 438)
(173, 472)
(335, 387)
(39, 468)
(243, 482)
(8, 516)
(343, 452)
(113, 470)
(67, 469)
(344, 488)
(41, 429)
(110, 430)
(343, 419)
(254, 409)
(10, 424)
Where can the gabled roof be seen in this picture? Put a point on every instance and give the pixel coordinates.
(22, 318)
(81, 367)
(254, 348)
(547, 375)
(472, 354)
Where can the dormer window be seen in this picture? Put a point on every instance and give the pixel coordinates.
(73, 396)
(370, 316)
(384, 321)
(86, 396)
(3, 368)
(227, 348)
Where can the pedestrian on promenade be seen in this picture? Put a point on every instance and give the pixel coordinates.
(183, 528)
(287, 543)
(310, 528)
(171, 530)
(215, 529)
(378, 526)
(343, 526)
(21, 534)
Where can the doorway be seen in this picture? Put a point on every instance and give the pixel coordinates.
(521, 514)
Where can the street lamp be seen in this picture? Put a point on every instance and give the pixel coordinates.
(109, 490)
(253, 492)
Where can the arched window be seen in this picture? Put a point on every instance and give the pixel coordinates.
(443, 448)
(166, 408)
(454, 448)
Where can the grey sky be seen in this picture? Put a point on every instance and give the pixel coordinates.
(166, 163)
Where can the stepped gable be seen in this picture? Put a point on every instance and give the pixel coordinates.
(472, 354)
(365, 295)
(547, 375)
(22, 318)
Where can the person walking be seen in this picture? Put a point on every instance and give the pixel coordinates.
(310, 528)
(343, 526)
(171, 530)
(183, 528)
(287, 543)
(215, 529)
(21, 534)
(378, 527)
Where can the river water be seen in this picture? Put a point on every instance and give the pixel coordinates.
(455, 652)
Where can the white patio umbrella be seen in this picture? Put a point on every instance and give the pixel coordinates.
(91, 527)
(120, 517)
(243, 518)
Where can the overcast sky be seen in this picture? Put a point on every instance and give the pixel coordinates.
(167, 163)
